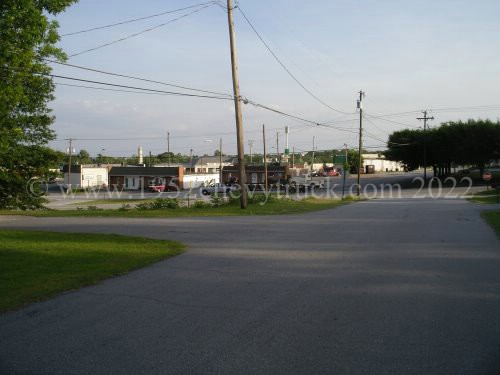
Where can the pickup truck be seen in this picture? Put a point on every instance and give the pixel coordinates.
(306, 182)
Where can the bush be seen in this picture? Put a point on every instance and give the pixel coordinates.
(159, 204)
(125, 207)
(201, 204)
(218, 200)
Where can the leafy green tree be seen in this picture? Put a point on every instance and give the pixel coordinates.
(407, 147)
(475, 142)
(83, 157)
(27, 37)
(174, 158)
(353, 160)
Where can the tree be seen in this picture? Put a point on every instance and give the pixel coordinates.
(406, 146)
(353, 160)
(28, 39)
(217, 153)
(475, 142)
(83, 157)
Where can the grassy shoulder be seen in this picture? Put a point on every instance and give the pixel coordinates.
(271, 207)
(35, 266)
(486, 196)
(493, 219)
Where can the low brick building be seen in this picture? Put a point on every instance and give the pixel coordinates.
(138, 178)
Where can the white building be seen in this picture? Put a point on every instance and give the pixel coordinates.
(381, 164)
(83, 176)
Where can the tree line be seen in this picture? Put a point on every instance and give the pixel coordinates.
(471, 143)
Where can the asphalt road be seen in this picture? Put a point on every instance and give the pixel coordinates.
(377, 287)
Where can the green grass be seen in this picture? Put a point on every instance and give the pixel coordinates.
(485, 196)
(37, 265)
(493, 218)
(275, 207)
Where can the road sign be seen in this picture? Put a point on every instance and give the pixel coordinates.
(339, 159)
(487, 176)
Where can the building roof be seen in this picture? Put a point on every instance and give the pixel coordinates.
(144, 171)
(256, 168)
(202, 160)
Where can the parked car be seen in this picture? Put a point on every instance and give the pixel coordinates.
(173, 185)
(219, 189)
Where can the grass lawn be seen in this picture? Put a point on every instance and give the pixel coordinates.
(274, 207)
(37, 265)
(493, 218)
(485, 196)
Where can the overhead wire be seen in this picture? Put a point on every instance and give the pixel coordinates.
(143, 90)
(141, 32)
(135, 19)
(391, 121)
(285, 68)
(137, 78)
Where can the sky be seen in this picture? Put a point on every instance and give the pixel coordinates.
(407, 56)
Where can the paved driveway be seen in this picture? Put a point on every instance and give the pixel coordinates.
(378, 287)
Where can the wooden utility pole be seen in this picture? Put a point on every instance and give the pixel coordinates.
(191, 161)
(344, 171)
(237, 107)
(265, 156)
(425, 118)
(220, 160)
(312, 160)
(278, 156)
(360, 148)
(168, 147)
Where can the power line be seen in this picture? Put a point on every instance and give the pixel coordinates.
(140, 32)
(285, 68)
(137, 78)
(108, 89)
(142, 90)
(136, 19)
(467, 109)
(379, 129)
(295, 117)
(392, 121)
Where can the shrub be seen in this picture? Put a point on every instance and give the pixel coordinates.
(159, 204)
(217, 200)
(201, 204)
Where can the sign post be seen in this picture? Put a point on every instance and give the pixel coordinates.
(487, 177)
